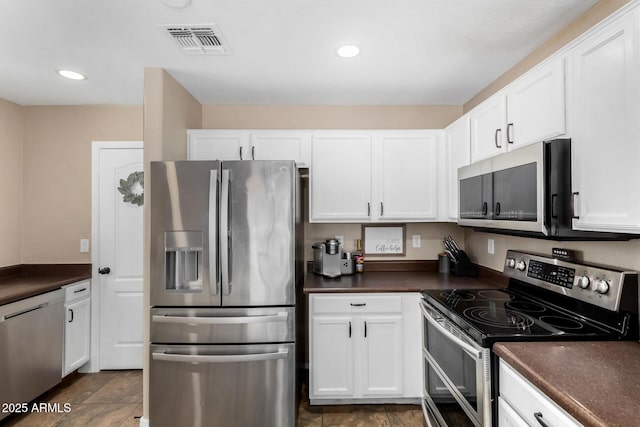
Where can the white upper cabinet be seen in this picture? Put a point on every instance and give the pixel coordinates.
(604, 121)
(340, 177)
(225, 144)
(457, 153)
(378, 176)
(405, 178)
(281, 145)
(529, 110)
(535, 105)
(208, 144)
(488, 126)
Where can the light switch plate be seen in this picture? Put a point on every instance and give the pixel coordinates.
(491, 247)
(341, 240)
(84, 245)
(416, 240)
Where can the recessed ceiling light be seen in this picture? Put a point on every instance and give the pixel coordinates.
(71, 75)
(348, 51)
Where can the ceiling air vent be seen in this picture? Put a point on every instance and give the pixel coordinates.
(198, 39)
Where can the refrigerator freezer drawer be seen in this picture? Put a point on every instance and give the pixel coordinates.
(222, 325)
(221, 385)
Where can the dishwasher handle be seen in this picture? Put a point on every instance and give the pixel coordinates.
(220, 358)
(220, 320)
(23, 311)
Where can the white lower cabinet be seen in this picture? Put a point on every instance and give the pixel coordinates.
(522, 404)
(77, 327)
(364, 347)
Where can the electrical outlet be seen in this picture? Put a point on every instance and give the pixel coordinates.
(341, 240)
(491, 247)
(416, 240)
(84, 245)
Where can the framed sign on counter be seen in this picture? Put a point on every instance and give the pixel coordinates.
(384, 239)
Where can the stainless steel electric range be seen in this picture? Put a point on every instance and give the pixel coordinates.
(546, 299)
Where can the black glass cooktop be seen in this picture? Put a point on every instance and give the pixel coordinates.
(491, 315)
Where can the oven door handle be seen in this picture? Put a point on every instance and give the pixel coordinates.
(472, 351)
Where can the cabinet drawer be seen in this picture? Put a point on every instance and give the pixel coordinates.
(77, 290)
(361, 303)
(528, 400)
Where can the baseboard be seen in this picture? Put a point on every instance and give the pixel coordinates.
(144, 422)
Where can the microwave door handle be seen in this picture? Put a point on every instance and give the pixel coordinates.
(214, 278)
(225, 232)
(473, 352)
(221, 358)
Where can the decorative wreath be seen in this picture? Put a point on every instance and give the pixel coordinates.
(132, 188)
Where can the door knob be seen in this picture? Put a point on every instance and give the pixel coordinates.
(104, 270)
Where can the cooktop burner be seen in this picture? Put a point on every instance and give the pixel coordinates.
(498, 317)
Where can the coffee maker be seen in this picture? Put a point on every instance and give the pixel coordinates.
(326, 258)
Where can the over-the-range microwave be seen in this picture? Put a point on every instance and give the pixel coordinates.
(525, 192)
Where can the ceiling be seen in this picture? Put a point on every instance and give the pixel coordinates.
(414, 52)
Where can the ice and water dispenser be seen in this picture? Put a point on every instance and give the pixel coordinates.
(183, 261)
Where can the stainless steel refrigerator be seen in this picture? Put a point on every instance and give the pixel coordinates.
(226, 276)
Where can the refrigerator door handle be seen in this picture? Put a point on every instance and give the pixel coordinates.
(214, 277)
(220, 320)
(222, 358)
(225, 233)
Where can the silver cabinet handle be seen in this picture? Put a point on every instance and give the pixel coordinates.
(240, 152)
(358, 304)
(349, 328)
(368, 209)
(71, 320)
(220, 320)
(509, 140)
(381, 209)
(253, 152)
(365, 328)
(538, 416)
(495, 137)
(214, 279)
(222, 358)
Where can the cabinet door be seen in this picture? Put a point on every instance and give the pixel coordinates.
(340, 178)
(488, 136)
(281, 145)
(406, 168)
(508, 417)
(457, 154)
(382, 359)
(76, 335)
(331, 356)
(605, 107)
(207, 144)
(535, 105)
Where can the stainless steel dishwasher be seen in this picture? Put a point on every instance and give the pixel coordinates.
(31, 333)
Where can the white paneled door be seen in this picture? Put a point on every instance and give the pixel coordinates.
(119, 253)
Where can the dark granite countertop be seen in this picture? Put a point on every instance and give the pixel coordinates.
(19, 282)
(598, 383)
(401, 281)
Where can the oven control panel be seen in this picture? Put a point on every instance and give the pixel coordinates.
(596, 285)
(550, 273)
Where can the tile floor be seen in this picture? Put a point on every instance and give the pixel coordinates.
(114, 399)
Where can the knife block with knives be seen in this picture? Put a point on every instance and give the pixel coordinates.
(460, 263)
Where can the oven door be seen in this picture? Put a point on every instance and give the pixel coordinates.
(457, 383)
